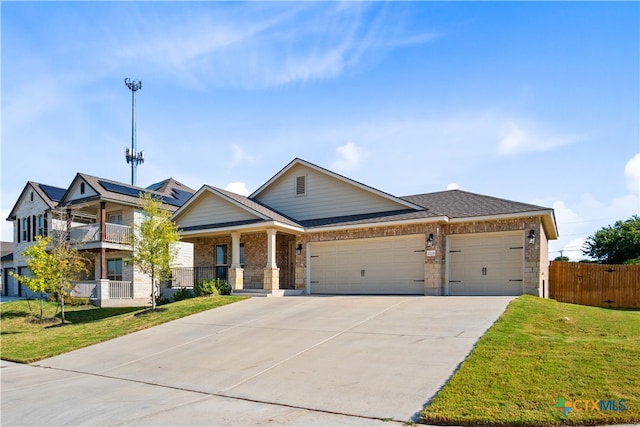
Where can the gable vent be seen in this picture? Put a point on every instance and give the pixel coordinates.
(301, 185)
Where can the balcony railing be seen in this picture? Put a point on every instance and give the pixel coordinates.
(85, 290)
(120, 289)
(114, 233)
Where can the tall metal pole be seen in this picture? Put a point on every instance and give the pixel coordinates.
(133, 156)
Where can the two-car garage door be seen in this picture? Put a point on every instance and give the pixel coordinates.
(476, 264)
(391, 265)
(485, 264)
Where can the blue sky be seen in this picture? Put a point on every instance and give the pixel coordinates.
(535, 102)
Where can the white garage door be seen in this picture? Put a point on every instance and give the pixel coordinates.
(486, 264)
(368, 266)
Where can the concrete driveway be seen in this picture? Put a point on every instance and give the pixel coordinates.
(331, 360)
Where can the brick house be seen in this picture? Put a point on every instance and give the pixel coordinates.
(311, 230)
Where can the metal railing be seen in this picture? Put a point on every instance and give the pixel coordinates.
(120, 289)
(114, 233)
(186, 277)
(85, 290)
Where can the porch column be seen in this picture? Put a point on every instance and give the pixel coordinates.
(103, 234)
(271, 271)
(236, 272)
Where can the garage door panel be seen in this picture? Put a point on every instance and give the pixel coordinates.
(369, 266)
(485, 264)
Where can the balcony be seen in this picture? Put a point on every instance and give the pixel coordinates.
(90, 233)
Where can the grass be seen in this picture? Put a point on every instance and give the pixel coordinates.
(537, 352)
(25, 340)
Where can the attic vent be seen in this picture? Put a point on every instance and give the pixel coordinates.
(301, 185)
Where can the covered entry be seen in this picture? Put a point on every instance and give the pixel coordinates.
(390, 265)
(486, 264)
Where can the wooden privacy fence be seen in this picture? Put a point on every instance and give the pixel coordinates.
(598, 285)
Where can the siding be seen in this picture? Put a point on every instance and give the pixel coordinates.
(75, 191)
(325, 197)
(211, 209)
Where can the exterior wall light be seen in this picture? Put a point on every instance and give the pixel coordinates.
(299, 248)
(430, 240)
(532, 237)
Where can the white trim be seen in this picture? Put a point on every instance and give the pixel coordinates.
(245, 228)
(500, 216)
(376, 224)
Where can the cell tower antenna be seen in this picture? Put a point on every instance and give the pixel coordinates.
(132, 155)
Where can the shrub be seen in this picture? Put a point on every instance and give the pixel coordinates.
(205, 289)
(223, 287)
(182, 293)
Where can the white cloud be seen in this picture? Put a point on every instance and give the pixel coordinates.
(453, 186)
(523, 138)
(632, 173)
(238, 188)
(349, 158)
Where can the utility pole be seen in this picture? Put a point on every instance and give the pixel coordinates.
(132, 155)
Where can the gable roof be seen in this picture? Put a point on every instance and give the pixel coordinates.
(298, 161)
(263, 213)
(48, 193)
(171, 192)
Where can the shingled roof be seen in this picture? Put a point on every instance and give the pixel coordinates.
(463, 204)
(50, 194)
(170, 191)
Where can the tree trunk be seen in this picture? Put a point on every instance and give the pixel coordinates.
(61, 303)
(153, 289)
(41, 308)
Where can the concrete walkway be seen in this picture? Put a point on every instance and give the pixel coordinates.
(347, 360)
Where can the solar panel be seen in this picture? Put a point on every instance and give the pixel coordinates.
(181, 196)
(120, 189)
(156, 186)
(54, 193)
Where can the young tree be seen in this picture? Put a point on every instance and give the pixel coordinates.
(153, 251)
(42, 266)
(616, 244)
(55, 263)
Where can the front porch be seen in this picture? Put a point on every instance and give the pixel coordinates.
(257, 262)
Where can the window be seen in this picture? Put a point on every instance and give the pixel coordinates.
(221, 262)
(301, 185)
(41, 231)
(114, 218)
(114, 269)
(241, 255)
(25, 229)
(82, 188)
(32, 196)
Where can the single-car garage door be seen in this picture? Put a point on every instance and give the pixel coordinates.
(391, 265)
(486, 264)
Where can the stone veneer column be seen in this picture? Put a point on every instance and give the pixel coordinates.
(102, 286)
(236, 272)
(271, 279)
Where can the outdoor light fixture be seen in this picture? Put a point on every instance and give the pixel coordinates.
(299, 248)
(430, 240)
(532, 236)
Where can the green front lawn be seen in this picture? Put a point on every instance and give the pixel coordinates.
(25, 340)
(538, 352)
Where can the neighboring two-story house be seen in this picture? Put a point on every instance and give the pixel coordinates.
(98, 214)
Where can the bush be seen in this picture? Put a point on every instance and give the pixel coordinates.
(223, 287)
(183, 293)
(206, 288)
